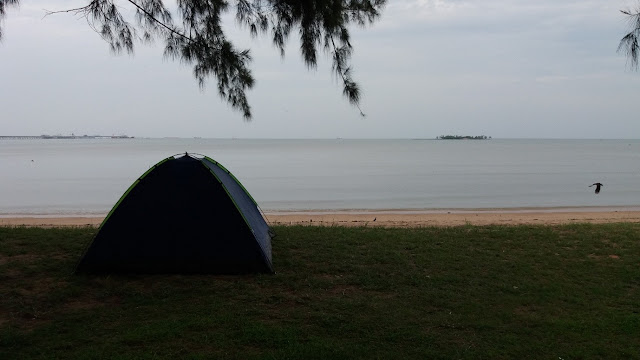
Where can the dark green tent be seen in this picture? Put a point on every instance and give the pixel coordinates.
(187, 214)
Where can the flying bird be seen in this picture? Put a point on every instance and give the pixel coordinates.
(597, 185)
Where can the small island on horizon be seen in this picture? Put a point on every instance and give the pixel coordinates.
(463, 137)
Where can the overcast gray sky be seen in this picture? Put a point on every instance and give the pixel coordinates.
(502, 68)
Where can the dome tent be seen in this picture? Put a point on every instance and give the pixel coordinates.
(187, 214)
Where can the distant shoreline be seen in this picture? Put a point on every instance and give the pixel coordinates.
(74, 137)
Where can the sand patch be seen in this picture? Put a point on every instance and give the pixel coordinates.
(393, 218)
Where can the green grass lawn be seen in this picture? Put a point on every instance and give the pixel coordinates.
(490, 292)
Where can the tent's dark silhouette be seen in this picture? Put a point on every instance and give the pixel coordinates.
(187, 214)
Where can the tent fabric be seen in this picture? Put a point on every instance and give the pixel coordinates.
(246, 204)
(184, 215)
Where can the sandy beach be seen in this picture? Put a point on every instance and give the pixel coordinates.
(393, 218)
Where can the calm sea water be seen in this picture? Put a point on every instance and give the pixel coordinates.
(87, 177)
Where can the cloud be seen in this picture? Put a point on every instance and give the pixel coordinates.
(518, 15)
(502, 67)
(551, 79)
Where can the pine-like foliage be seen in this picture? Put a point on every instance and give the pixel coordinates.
(193, 33)
(3, 6)
(629, 43)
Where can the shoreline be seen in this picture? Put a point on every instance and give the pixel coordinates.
(387, 217)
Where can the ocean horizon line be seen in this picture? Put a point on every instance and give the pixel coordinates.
(135, 137)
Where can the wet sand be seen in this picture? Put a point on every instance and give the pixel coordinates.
(392, 218)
